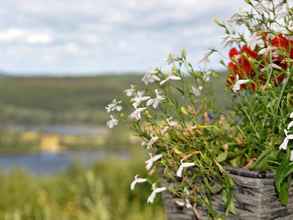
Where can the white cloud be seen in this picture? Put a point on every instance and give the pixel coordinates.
(105, 35)
(15, 35)
(72, 48)
(11, 35)
(39, 38)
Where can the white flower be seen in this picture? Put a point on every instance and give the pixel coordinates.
(136, 115)
(207, 76)
(164, 130)
(143, 144)
(150, 78)
(254, 40)
(205, 59)
(139, 98)
(291, 115)
(196, 91)
(290, 125)
(184, 203)
(188, 204)
(275, 66)
(267, 50)
(157, 100)
(285, 143)
(171, 122)
(151, 142)
(170, 77)
(272, 66)
(114, 106)
(231, 39)
(113, 122)
(154, 193)
(137, 180)
(180, 203)
(171, 58)
(131, 91)
(238, 84)
(150, 162)
(179, 172)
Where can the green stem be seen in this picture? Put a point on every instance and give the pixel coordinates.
(251, 122)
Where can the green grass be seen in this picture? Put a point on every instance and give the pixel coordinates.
(99, 193)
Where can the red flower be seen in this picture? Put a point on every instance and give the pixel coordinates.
(245, 66)
(242, 62)
(231, 79)
(233, 52)
(281, 42)
(249, 52)
(251, 86)
(232, 67)
(279, 79)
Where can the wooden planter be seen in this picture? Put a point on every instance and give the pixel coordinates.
(255, 198)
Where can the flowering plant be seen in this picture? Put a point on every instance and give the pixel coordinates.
(190, 142)
(183, 133)
(260, 74)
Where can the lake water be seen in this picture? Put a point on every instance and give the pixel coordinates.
(85, 130)
(48, 164)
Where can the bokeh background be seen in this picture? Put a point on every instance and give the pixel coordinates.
(61, 63)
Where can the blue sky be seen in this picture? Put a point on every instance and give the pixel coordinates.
(91, 36)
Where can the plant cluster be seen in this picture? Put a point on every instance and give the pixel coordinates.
(97, 192)
(190, 142)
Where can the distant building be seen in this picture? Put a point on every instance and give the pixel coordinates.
(50, 143)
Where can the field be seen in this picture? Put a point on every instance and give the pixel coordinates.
(78, 194)
(66, 100)
(63, 100)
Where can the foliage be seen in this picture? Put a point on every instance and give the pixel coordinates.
(190, 141)
(100, 193)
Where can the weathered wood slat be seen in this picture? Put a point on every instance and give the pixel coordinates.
(255, 198)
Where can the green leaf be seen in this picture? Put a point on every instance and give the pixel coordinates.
(281, 174)
(283, 180)
(262, 161)
(284, 193)
(229, 201)
(222, 156)
(236, 161)
(289, 171)
(248, 2)
(180, 90)
(183, 54)
(219, 22)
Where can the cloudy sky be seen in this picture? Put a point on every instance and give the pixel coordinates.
(90, 36)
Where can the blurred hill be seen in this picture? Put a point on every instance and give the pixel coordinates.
(2, 74)
(37, 100)
(55, 100)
